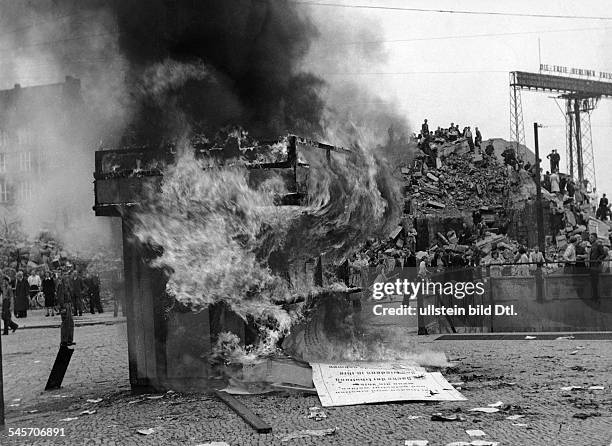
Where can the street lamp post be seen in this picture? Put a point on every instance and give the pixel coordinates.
(539, 213)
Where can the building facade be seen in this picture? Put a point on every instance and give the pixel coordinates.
(39, 130)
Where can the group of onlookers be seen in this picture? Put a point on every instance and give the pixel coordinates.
(450, 134)
(64, 291)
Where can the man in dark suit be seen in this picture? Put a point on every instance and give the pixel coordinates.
(22, 296)
(92, 282)
(64, 302)
(76, 289)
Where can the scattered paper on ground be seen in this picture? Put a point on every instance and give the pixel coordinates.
(97, 400)
(214, 443)
(308, 433)
(475, 432)
(570, 388)
(145, 431)
(360, 383)
(485, 409)
(497, 404)
(596, 388)
(514, 417)
(69, 419)
(416, 443)
(474, 443)
(88, 412)
(317, 413)
(442, 417)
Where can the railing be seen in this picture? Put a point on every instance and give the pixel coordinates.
(543, 300)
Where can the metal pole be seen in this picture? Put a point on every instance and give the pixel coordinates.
(570, 136)
(1, 390)
(579, 160)
(539, 211)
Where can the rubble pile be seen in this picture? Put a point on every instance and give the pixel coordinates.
(462, 182)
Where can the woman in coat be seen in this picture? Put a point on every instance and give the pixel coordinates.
(48, 288)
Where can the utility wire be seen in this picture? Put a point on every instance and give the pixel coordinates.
(467, 36)
(393, 73)
(447, 11)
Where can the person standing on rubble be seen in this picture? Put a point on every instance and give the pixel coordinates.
(571, 188)
(477, 139)
(468, 135)
(594, 200)
(554, 158)
(554, 183)
(602, 210)
(425, 131)
(453, 133)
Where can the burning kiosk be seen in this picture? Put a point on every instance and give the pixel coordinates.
(170, 347)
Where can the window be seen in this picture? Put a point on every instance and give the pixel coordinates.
(4, 192)
(4, 138)
(25, 191)
(24, 137)
(2, 162)
(25, 161)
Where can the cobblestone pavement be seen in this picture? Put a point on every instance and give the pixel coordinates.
(526, 374)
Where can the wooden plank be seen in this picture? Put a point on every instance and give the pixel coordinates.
(62, 360)
(147, 317)
(244, 412)
(128, 269)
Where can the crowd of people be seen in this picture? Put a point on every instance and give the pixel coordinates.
(66, 292)
(450, 134)
(585, 253)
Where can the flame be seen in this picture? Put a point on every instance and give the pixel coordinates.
(216, 234)
(224, 241)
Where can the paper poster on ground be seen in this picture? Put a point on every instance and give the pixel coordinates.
(361, 383)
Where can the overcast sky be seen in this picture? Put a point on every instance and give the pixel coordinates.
(427, 79)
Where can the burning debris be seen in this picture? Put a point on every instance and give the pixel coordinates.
(222, 239)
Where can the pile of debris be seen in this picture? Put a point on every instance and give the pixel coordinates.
(461, 182)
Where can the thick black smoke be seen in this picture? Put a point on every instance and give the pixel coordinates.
(249, 50)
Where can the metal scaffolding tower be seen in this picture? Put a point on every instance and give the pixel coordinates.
(517, 129)
(579, 137)
(581, 98)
